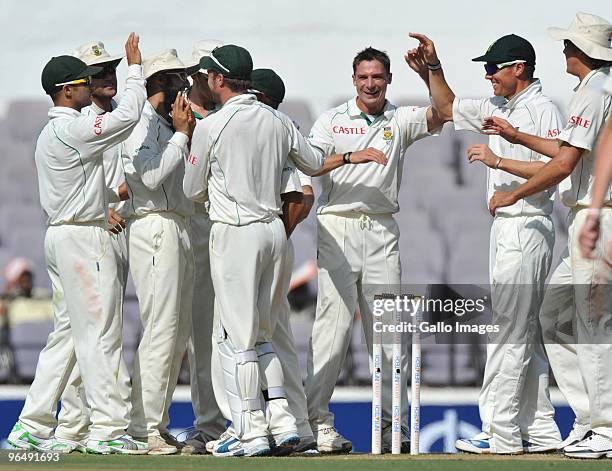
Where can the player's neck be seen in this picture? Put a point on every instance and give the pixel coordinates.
(227, 94)
(372, 111)
(520, 86)
(105, 103)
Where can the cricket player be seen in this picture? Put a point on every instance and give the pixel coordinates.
(515, 409)
(80, 261)
(161, 257)
(576, 311)
(73, 418)
(358, 238)
(209, 421)
(269, 88)
(237, 158)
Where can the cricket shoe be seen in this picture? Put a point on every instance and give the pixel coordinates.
(210, 445)
(329, 441)
(284, 444)
(162, 444)
(594, 446)
(194, 442)
(233, 447)
(24, 440)
(578, 433)
(387, 440)
(124, 445)
(479, 444)
(64, 446)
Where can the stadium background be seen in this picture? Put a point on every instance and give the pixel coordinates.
(443, 218)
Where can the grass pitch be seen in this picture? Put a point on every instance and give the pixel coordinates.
(351, 462)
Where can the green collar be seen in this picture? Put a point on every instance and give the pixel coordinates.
(197, 115)
(367, 117)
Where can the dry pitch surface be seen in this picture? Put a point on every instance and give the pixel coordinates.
(353, 462)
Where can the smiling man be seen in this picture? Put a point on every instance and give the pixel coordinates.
(358, 238)
(515, 409)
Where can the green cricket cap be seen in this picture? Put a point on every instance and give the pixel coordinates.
(234, 62)
(507, 49)
(268, 82)
(62, 69)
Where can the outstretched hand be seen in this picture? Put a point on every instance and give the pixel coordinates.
(369, 155)
(416, 61)
(499, 127)
(182, 116)
(132, 52)
(427, 48)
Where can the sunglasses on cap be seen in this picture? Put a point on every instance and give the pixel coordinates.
(108, 69)
(180, 75)
(84, 81)
(492, 69)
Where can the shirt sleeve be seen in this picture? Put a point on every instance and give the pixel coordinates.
(413, 123)
(195, 181)
(468, 113)
(608, 86)
(154, 161)
(320, 136)
(586, 117)
(290, 180)
(306, 158)
(93, 133)
(305, 180)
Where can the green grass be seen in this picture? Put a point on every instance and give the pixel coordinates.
(313, 463)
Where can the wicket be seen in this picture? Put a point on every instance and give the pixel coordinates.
(396, 405)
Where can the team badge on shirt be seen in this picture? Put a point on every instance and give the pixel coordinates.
(387, 133)
(96, 50)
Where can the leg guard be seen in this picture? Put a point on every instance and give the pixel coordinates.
(271, 372)
(241, 377)
(280, 419)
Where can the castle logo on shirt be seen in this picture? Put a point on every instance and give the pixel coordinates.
(579, 121)
(387, 133)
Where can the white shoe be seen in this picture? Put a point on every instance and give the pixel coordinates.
(577, 434)
(233, 447)
(22, 439)
(194, 442)
(162, 445)
(330, 441)
(210, 445)
(124, 445)
(64, 446)
(478, 444)
(594, 446)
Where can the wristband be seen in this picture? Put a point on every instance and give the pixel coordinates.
(346, 157)
(437, 66)
(499, 159)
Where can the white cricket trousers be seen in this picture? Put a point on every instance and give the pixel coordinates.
(358, 257)
(209, 420)
(576, 321)
(161, 263)
(284, 345)
(246, 266)
(86, 285)
(514, 400)
(73, 419)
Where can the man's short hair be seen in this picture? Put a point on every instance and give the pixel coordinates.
(235, 85)
(529, 71)
(371, 54)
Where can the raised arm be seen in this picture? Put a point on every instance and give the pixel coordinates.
(442, 96)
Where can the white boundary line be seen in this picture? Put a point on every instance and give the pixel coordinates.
(429, 396)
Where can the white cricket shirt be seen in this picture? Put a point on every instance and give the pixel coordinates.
(238, 154)
(153, 159)
(111, 158)
(530, 111)
(588, 111)
(69, 152)
(365, 188)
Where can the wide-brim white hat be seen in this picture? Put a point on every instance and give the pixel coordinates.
(165, 60)
(589, 33)
(201, 49)
(94, 53)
